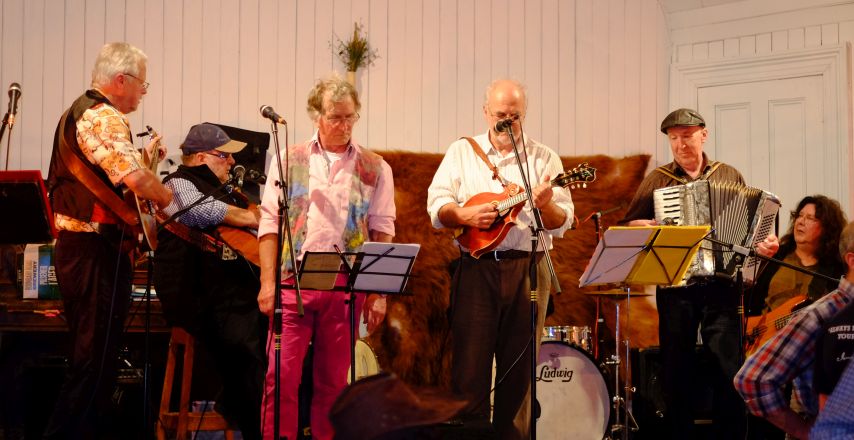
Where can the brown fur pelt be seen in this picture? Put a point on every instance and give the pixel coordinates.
(413, 342)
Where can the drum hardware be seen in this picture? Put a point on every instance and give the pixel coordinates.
(578, 336)
(624, 420)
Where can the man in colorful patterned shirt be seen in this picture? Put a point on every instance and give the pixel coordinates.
(93, 272)
(340, 194)
(789, 357)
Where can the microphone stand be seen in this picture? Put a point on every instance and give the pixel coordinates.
(745, 252)
(283, 224)
(3, 126)
(536, 237)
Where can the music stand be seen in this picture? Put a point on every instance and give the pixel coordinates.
(390, 264)
(646, 255)
(27, 215)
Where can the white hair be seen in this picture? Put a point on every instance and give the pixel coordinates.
(116, 58)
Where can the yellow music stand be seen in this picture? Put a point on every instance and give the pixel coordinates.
(646, 255)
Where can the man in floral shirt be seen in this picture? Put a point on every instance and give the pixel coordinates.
(93, 271)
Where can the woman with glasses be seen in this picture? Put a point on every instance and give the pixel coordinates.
(811, 243)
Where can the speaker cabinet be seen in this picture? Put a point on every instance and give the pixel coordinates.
(648, 403)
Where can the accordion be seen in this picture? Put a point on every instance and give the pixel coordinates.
(738, 214)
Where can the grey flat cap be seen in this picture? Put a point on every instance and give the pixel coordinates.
(683, 117)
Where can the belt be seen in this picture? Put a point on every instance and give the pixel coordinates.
(509, 254)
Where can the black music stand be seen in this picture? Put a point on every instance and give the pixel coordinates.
(27, 217)
(390, 267)
(646, 255)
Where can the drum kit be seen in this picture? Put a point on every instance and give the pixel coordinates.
(572, 378)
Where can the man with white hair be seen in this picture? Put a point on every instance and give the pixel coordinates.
(93, 267)
(490, 293)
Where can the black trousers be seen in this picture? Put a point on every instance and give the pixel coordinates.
(94, 279)
(712, 307)
(216, 301)
(490, 316)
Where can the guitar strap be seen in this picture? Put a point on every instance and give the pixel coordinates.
(479, 151)
(88, 178)
(203, 241)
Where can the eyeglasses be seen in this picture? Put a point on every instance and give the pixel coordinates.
(145, 84)
(219, 154)
(502, 116)
(338, 120)
(806, 218)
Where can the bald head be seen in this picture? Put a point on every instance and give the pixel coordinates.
(505, 100)
(501, 88)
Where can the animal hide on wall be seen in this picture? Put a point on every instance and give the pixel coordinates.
(413, 340)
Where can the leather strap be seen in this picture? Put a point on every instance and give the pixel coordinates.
(705, 176)
(91, 181)
(479, 151)
(203, 241)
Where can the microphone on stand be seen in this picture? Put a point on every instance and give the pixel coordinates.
(256, 176)
(503, 125)
(269, 113)
(14, 95)
(238, 171)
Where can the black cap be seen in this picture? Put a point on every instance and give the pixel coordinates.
(682, 117)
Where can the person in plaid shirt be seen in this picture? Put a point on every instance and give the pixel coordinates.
(789, 357)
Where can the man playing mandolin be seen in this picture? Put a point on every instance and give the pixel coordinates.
(93, 161)
(204, 286)
(490, 305)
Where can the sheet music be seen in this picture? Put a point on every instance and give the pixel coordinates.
(615, 256)
(393, 260)
(319, 270)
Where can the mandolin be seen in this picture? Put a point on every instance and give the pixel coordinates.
(147, 210)
(508, 204)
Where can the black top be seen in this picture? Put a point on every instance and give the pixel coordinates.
(834, 348)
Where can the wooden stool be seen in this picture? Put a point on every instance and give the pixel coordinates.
(184, 421)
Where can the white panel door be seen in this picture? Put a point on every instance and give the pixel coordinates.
(772, 131)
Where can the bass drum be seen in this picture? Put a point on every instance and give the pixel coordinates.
(574, 400)
(366, 361)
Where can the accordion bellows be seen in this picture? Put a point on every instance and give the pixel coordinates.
(739, 215)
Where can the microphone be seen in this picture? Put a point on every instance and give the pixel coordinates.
(256, 176)
(238, 171)
(14, 95)
(269, 113)
(503, 125)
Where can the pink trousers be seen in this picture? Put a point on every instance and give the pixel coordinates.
(326, 325)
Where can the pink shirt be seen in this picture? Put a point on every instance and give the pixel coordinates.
(329, 189)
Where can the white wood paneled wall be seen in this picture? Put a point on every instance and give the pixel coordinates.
(753, 29)
(596, 69)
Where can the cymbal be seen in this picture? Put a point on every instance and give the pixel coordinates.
(616, 293)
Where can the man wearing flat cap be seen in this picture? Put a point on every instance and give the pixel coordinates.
(708, 304)
(206, 287)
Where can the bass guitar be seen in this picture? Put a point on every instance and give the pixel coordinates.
(762, 328)
(508, 204)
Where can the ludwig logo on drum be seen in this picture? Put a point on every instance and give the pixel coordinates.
(550, 374)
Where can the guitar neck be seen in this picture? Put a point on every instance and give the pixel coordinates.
(514, 200)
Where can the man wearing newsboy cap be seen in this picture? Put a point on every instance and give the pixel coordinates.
(206, 287)
(708, 304)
